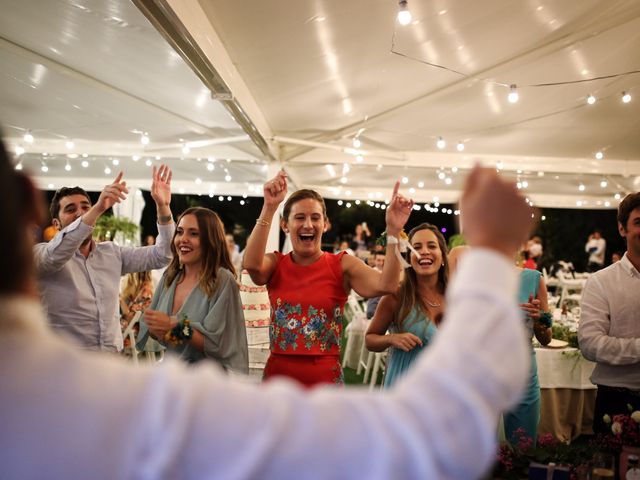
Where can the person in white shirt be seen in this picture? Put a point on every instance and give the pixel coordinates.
(68, 413)
(79, 279)
(609, 331)
(595, 247)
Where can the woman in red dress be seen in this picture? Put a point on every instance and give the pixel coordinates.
(308, 287)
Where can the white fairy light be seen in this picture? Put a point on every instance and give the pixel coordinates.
(107, 170)
(144, 139)
(405, 180)
(591, 99)
(69, 144)
(67, 167)
(599, 155)
(441, 143)
(19, 150)
(211, 167)
(84, 164)
(404, 15)
(420, 184)
(626, 97)
(604, 183)
(356, 142)
(185, 149)
(28, 137)
(460, 146)
(513, 96)
(581, 187)
(148, 162)
(227, 178)
(18, 166)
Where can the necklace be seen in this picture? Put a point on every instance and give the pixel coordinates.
(431, 304)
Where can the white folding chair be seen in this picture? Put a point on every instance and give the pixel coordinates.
(130, 333)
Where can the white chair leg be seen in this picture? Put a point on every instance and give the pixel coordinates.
(376, 367)
(367, 369)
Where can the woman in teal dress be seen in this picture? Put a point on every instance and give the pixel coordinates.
(532, 297)
(412, 315)
(196, 311)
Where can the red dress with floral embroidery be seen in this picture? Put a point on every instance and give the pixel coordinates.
(307, 306)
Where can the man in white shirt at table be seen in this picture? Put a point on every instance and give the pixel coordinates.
(79, 279)
(67, 413)
(609, 330)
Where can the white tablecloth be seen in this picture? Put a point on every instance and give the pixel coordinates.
(563, 368)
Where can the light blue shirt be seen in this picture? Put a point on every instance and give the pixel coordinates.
(81, 294)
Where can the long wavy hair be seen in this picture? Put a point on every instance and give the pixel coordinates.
(213, 247)
(408, 294)
(134, 283)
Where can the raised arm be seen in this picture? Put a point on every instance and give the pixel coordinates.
(259, 265)
(367, 281)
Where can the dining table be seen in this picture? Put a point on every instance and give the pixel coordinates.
(567, 394)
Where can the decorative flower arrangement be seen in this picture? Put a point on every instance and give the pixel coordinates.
(382, 239)
(513, 459)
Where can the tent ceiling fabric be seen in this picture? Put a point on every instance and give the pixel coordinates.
(309, 76)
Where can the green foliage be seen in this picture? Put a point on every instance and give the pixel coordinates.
(456, 240)
(562, 332)
(108, 226)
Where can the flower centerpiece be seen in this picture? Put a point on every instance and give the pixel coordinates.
(624, 438)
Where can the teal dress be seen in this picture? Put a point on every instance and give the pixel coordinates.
(399, 360)
(526, 414)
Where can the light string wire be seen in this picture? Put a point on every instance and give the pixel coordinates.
(488, 80)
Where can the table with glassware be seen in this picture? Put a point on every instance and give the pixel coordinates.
(567, 394)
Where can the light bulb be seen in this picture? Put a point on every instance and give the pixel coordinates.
(135, 158)
(442, 175)
(211, 167)
(356, 142)
(84, 164)
(591, 99)
(144, 139)
(405, 180)
(626, 97)
(603, 184)
(441, 143)
(185, 149)
(460, 146)
(19, 166)
(448, 180)
(525, 184)
(198, 181)
(404, 15)
(513, 94)
(115, 161)
(617, 196)
(599, 155)
(28, 137)
(69, 144)
(359, 158)
(581, 187)
(227, 178)
(148, 162)
(420, 184)
(67, 167)
(44, 168)
(343, 180)
(107, 171)
(19, 150)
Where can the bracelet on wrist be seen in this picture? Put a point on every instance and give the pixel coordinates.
(162, 219)
(262, 222)
(179, 334)
(545, 319)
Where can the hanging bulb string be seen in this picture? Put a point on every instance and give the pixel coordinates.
(506, 84)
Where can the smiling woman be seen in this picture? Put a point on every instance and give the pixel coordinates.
(308, 287)
(196, 311)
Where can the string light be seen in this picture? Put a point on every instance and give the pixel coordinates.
(591, 99)
(442, 175)
(148, 162)
(84, 164)
(617, 196)
(356, 142)
(460, 146)
(626, 97)
(115, 162)
(405, 180)
(359, 158)
(19, 150)
(227, 178)
(404, 15)
(211, 167)
(44, 168)
(343, 180)
(67, 167)
(603, 183)
(135, 158)
(599, 155)
(513, 96)
(28, 137)
(19, 165)
(581, 187)
(107, 171)
(420, 184)
(69, 144)
(144, 138)
(185, 149)
(441, 143)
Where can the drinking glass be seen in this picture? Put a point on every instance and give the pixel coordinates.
(603, 466)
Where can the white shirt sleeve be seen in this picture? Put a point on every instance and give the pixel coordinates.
(440, 421)
(53, 255)
(596, 343)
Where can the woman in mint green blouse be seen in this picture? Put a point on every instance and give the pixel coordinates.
(196, 311)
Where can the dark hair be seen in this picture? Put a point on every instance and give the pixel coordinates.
(54, 209)
(408, 294)
(16, 206)
(627, 205)
(302, 195)
(213, 246)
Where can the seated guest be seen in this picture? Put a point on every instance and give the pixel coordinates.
(378, 264)
(135, 297)
(413, 314)
(79, 279)
(196, 310)
(57, 403)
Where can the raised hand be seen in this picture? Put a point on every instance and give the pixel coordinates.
(161, 186)
(111, 194)
(493, 213)
(531, 308)
(275, 189)
(398, 211)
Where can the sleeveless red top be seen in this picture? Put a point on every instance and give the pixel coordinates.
(307, 306)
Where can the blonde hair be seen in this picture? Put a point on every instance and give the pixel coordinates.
(135, 281)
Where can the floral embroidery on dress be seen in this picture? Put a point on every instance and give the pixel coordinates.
(291, 328)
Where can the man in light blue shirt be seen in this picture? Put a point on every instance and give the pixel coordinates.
(79, 279)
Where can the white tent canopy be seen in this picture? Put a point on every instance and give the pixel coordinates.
(228, 91)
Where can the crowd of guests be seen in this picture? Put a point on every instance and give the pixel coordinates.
(195, 311)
